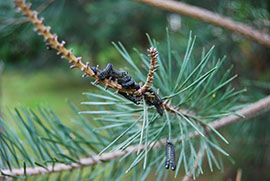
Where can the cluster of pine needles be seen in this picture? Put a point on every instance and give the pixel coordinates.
(194, 92)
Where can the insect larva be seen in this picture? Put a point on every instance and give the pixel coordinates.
(94, 69)
(106, 72)
(130, 97)
(170, 156)
(167, 163)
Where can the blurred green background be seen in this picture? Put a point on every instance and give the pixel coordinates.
(33, 76)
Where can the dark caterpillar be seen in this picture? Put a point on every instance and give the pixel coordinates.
(154, 99)
(109, 71)
(170, 156)
(130, 97)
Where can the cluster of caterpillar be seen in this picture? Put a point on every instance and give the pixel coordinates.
(126, 81)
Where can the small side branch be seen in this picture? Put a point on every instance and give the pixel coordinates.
(249, 111)
(212, 18)
(153, 54)
(52, 41)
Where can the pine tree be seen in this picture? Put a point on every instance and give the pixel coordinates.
(183, 108)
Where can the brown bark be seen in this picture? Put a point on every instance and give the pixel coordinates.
(212, 18)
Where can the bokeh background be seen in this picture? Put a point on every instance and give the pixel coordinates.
(32, 75)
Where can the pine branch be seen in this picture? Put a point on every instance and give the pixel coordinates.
(52, 40)
(210, 17)
(248, 112)
(133, 94)
(195, 85)
(153, 54)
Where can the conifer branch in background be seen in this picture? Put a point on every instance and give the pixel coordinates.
(212, 18)
(248, 112)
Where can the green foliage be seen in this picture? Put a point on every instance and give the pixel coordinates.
(201, 85)
(116, 123)
(250, 148)
(50, 87)
(20, 45)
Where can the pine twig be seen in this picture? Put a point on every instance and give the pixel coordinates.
(238, 175)
(52, 40)
(210, 17)
(173, 109)
(153, 54)
(248, 112)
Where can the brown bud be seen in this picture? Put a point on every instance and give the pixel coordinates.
(96, 82)
(72, 66)
(34, 14)
(69, 52)
(41, 20)
(63, 43)
(78, 59)
(84, 75)
(47, 29)
(55, 37)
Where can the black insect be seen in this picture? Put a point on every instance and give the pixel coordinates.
(170, 156)
(94, 69)
(109, 71)
(132, 98)
(154, 99)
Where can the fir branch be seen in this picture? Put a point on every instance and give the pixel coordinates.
(248, 112)
(210, 17)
